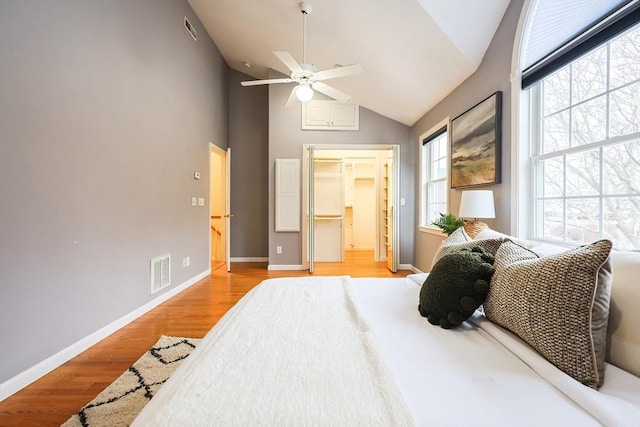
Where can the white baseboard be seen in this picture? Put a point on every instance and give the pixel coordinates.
(23, 379)
(285, 267)
(408, 267)
(250, 259)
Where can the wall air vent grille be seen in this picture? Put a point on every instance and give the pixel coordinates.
(160, 273)
(190, 28)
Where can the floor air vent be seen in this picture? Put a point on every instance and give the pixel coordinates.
(160, 272)
(190, 28)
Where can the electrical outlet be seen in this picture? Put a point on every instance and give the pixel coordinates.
(194, 201)
(279, 250)
(186, 261)
(196, 175)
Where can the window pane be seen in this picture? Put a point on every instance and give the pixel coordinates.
(436, 192)
(555, 132)
(439, 169)
(442, 142)
(556, 91)
(589, 75)
(432, 214)
(583, 220)
(621, 171)
(625, 58)
(435, 149)
(622, 221)
(552, 171)
(624, 107)
(424, 211)
(588, 122)
(552, 213)
(583, 173)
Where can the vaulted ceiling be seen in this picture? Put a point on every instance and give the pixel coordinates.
(413, 52)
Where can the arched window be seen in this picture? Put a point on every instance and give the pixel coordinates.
(579, 122)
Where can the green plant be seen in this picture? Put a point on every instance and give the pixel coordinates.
(448, 223)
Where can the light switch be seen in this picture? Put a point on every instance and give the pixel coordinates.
(194, 201)
(196, 175)
(200, 201)
(403, 201)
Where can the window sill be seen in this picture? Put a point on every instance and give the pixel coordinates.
(432, 230)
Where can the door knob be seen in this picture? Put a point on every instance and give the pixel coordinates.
(229, 216)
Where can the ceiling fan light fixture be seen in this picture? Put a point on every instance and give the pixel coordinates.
(304, 93)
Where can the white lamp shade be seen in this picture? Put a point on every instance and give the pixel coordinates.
(304, 93)
(477, 204)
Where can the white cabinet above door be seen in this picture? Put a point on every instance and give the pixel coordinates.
(330, 115)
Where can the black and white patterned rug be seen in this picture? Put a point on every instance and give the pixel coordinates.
(122, 401)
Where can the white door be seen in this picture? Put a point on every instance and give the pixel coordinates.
(393, 187)
(308, 225)
(228, 214)
(219, 204)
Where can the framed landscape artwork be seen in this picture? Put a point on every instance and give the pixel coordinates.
(475, 144)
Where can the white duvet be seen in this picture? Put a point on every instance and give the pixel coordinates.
(292, 353)
(355, 352)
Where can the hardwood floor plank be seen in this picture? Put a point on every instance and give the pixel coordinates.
(52, 399)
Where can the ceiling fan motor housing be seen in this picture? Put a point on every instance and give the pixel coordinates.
(305, 7)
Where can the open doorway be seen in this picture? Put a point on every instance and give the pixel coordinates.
(219, 207)
(348, 196)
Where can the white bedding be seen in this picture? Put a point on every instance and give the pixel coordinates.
(478, 374)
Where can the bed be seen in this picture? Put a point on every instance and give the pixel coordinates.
(341, 351)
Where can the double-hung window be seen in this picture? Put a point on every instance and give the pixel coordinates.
(434, 177)
(585, 134)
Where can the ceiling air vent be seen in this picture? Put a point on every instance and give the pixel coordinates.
(190, 28)
(160, 272)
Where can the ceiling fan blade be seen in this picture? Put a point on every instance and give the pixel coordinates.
(292, 97)
(265, 82)
(347, 70)
(330, 91)
(288, 60)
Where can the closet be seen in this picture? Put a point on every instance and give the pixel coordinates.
(346, 200)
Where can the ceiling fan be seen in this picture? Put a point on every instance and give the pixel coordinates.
(306, 75)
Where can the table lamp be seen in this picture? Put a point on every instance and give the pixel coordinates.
(476, 204)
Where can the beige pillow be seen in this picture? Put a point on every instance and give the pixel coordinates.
(623, 333)
(558, 304)
(459, 239)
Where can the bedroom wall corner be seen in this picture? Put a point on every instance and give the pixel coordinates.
(249, 142)
(492, 75)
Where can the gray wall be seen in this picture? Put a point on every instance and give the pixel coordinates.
(492, 75)
(286, 140)
(106, 110)
(249, 142)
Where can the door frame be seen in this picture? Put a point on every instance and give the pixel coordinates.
(226, 161)
(308, 153)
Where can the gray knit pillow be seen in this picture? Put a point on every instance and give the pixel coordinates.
(558, 304)
(459, 239)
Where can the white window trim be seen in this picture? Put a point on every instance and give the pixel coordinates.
(426, 228)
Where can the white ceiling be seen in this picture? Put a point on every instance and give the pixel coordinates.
(414, 52)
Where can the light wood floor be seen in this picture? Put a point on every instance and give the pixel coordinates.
(51, 400)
